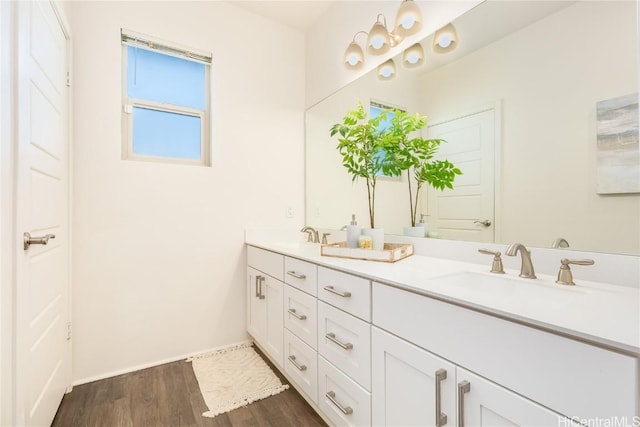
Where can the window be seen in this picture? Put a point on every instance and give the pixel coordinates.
(375, 109)
(166, 106)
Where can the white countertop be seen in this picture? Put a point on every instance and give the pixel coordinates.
(601, 314)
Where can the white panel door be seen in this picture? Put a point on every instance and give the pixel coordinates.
(461, 213)
(43, 356)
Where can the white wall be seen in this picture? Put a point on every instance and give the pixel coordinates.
(549, 159)
(159, 262)
(332, 33)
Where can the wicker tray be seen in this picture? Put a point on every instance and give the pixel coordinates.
(392, 252)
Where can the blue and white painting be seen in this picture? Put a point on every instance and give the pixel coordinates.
(618, 152)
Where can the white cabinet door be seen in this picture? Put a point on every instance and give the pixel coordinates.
(483, 403)
(265, 320)
(256, 306)
(405, 383)
(274, 293)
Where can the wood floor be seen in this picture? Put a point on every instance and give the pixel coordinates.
(168, 395)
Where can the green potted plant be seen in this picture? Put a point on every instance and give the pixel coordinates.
(415, 156)
(362, 145)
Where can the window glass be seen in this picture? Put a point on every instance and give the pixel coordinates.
(166, 79)
(166, 101)
(166, 134)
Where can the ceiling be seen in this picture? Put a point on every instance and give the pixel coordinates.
(299, 14)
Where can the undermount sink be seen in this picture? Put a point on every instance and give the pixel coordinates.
(511, 287)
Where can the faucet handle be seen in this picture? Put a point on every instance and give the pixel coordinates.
(496, 266)
(324, 238)
(564, 275)
(309, 235)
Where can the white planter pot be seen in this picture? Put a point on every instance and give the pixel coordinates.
(417, 231)
(377, 235)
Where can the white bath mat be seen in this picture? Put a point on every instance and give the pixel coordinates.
(233, 377)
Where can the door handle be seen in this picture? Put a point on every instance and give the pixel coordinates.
(486, 222)
(43, 240)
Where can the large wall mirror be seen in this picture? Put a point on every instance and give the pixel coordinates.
(527, 77)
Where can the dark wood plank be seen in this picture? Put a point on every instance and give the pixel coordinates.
(168, 395)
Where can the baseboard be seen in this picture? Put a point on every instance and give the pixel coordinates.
(150, 365)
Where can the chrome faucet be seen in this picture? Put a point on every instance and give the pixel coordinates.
(526, 270)
(560, 242)
(313, 234)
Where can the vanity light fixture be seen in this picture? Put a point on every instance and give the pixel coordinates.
(408, 19)
(387, 70)
(354, 56)
(380, 40)
(445, 39)
(413, 56)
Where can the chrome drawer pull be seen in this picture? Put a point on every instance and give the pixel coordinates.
(261, 280)
(292, 311)
(296, 275)
(332, 397)
(463, 387)
(332, 337)
(441, 418)
(333, 291)
(292, 359)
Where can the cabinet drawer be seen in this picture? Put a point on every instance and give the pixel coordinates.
(349, 293)
(343, 401)
(301, 315)
(268, 262)
(301, 363)
(570, 377)
(301, 274)
(346, 342)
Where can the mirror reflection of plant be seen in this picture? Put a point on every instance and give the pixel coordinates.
(415, 156)
(363, 146)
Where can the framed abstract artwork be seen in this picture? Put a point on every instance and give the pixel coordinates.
(618, 151)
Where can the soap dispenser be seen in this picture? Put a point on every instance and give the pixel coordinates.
(424, 224)
(353, 232)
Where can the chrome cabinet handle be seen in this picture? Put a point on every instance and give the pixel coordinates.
(292, 311)
(296, 275)
(441, 418)
(333, 291)
(260, 280)
(257, 285)
(332, 337)
(463, 387)
(486, 222)
(332, 397)
(298, 366)
(43, 240)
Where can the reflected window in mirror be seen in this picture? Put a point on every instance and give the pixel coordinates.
(375, 109)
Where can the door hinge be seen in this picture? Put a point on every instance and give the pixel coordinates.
(68, 331)
(68, 79)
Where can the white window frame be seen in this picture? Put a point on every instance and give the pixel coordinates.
(141, 41)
